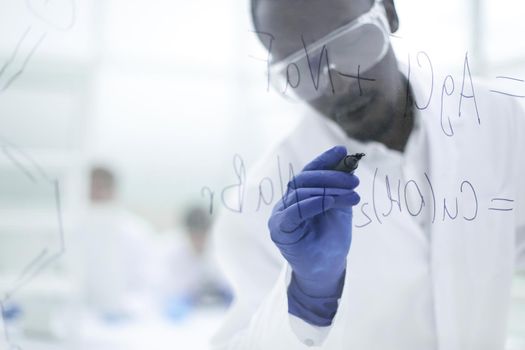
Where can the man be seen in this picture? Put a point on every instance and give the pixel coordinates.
(187, 273)
(114, 251)
(426, 259)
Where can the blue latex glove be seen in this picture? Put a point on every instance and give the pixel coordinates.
(312, 227)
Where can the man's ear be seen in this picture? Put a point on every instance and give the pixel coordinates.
(391, 13)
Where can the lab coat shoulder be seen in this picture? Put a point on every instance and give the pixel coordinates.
(500, 138)
(518, 112)
(136, 225)
(310, 136)
(514, 112)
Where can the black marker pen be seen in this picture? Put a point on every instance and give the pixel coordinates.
(349, 163)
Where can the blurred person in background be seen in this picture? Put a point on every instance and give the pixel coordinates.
(115, 252)
(189, 277)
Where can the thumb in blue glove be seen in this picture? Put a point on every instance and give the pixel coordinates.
(312, 227)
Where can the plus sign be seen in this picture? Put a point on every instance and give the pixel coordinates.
(358, 77)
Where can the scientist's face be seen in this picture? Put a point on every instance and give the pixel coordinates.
(365, 112)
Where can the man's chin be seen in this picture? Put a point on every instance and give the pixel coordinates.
(369, 129)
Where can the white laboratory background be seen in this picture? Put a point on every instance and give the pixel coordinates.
(165, 93)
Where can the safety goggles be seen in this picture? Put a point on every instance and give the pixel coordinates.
(350, 50)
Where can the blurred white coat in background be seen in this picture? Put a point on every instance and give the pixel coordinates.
(187, 269)
(114, 252)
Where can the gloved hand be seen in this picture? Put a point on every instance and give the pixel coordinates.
(312, 227)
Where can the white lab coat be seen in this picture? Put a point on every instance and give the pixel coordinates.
(471, 262)
(113, 252)
(182, 272)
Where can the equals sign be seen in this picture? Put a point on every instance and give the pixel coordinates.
(497, 202)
